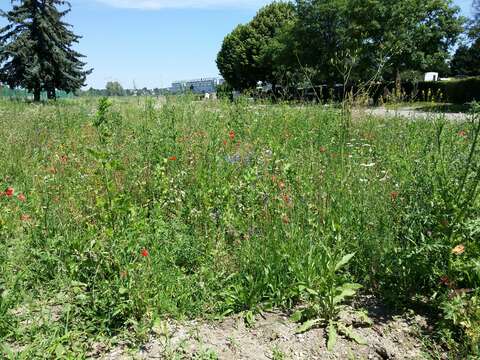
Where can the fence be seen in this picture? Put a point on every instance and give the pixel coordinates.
(21, 94)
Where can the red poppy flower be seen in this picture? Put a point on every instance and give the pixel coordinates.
(394, 195)
(231, 135)
(144, 253)
(64, 159)
(172, 158)
(10, 192)
(462, 133)
(25, 217)
(21, 197)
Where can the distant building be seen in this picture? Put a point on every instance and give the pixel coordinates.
(178, 87)
(431, 76)
(197, 86)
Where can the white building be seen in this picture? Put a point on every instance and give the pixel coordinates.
(431, 76)
(197, 86)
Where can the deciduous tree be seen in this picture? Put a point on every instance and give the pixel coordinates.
(114, 88)
(371, 35)
(474, 30)
(244, 58)
(467, 60)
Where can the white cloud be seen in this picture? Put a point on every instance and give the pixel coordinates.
(163, 4)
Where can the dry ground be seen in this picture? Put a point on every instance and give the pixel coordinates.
(413, 113)
(273, 336)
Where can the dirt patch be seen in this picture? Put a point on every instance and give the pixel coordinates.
(410, 113)
(273, 336)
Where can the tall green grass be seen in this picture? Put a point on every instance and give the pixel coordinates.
(140, 210)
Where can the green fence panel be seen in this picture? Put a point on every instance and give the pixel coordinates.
(6, 92)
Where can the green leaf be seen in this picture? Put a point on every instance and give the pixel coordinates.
(97, 155)
(59, 351)
(364, 318)
(115, 165)
(344, 261)
(296, 316)
(311, 291)
(249, 318)
(160, 328)
(78, 284)
(340, 298)
(307, 325)
(346, 290)
(352, 335)
(332, 336)
(122, 291)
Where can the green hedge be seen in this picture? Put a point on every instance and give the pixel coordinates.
(458, 91)
(453, 91)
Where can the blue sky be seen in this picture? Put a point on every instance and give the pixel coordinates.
(153, 42)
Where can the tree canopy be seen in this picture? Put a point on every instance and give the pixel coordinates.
(113, 88)
(36, 48)
(467, 60)
(244, 58)
(475, 23)
(336, 40)
(376, 37)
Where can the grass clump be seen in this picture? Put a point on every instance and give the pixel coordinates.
(115, 215)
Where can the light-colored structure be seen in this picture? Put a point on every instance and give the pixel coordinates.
(197, 86)
(431, 76)
(178, 87)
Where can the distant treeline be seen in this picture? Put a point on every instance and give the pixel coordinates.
(124, 92)
(114, 88)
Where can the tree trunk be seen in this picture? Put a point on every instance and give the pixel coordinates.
(37, 94)
(51, 94)
(398, 85)
(332, 94)
(274, 91)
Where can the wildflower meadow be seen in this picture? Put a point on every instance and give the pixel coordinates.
(118, 214)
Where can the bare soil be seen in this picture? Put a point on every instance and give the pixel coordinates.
(413, 113)
(273, 336)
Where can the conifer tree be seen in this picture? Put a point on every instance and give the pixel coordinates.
(36, 48)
